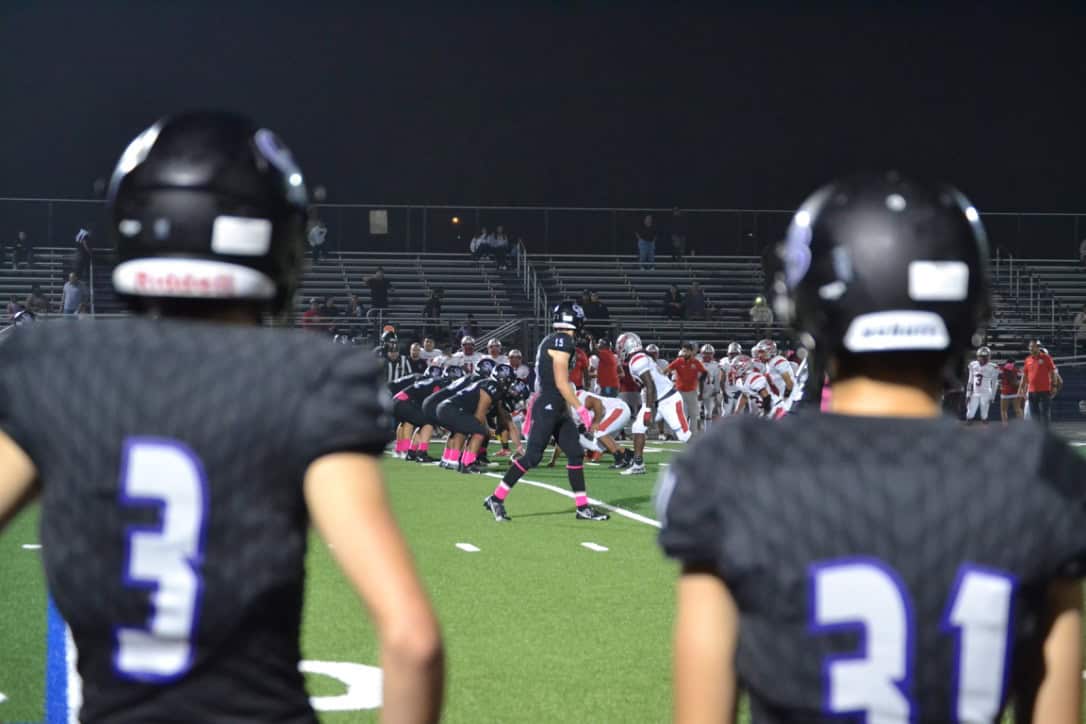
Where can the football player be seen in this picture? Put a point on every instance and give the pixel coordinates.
(711, 384)
(466, 412)
(466, 357)
(889, 566)
(494, 352)
(980, 386)
(450, 458)
(609, 416)
(731, 390)
(175, 514)
(414, 443)
(1008, 391)
(548, 415)
(778, 371)
(660, 401)
(521, 370)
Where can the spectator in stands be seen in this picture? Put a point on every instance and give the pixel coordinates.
(607, 373)
(761, 315)
(14, 307)
(380, 288)
(311, 317)
(678, 234)
(598, 316)
(415, 360)
(1041, 382)
(36, 301)
(72, 296)
(81, 260)
(1079, 327)
(501, 248)
(687, 370)
(431, 312)
(316, 236)
(482, 244)
(695, 302)
(674, 307)
(646, 243)
(20, 250)
(470, 328)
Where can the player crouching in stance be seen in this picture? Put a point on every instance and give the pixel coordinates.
(215, 441)
(888, 565)
(548, 416)
(465, 414)
(980, 387)
(659, 399)
(609, 417)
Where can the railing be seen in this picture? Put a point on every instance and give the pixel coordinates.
(424, 228)
(533, 290)
(1040, 305)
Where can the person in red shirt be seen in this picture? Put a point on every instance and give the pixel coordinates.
(1041, 382)
(1008, 391)
(607, 373)
(580, 367)
(311, 317)
(687, 370)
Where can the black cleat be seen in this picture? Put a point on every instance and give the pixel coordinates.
(587, 512)
(496, 508)
(622, 460)
(424, 458)
(475, 468)
(411, 456)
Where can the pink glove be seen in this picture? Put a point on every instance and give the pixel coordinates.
(585, 415)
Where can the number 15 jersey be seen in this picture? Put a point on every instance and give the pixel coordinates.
(173, 522)
(890, 570)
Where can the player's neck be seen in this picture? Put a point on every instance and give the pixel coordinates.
(868, 397)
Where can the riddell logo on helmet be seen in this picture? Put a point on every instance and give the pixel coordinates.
(897, 330)
(213, 285)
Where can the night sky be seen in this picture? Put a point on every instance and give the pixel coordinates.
(570, 103)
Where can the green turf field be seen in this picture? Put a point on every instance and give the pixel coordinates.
(538, 627)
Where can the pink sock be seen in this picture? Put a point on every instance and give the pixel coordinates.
(447, 454)
(418, 446)
(581, 499)
(402, 445)
(455, 456)
(469, 458)
(501, 491)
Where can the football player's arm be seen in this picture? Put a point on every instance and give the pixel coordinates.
(706, 630)
(347, 503)
(560, 365)
(650, 392)
(17, 478)
(1059, 696)
(789, 379)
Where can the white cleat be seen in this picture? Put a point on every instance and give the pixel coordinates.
(634, 469)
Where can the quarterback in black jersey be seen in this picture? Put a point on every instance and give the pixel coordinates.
(548, 416)
(886, 565)
(196, 447)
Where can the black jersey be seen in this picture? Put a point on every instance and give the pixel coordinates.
(402, 383)
(467, 398)
(171, 457)
(880, 565)
(425, 386)
(544, 366)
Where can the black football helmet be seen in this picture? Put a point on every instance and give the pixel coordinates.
(389, 338)
(519, 391)
(568, 315)
(504, 374)
(454, 371)
(208, 206)
(882, 263)
(485, 367)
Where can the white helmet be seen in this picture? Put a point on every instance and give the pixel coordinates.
(984, 352)
(708, 349)
(494, 341)
(652, 349)
(734, 348)
(515, 353)
(627, 344)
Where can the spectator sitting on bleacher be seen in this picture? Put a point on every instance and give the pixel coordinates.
(597, 315)
(380, 288)
(482, 244)
(501, 248)
(317, 233)
(646, 243)
(81, 260)
(72, 296)
(36, 301)
(695, 302)
(761, 314)
(311, 317)
(673, 303)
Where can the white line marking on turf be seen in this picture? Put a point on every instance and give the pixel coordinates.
(595, 547)
(467, 547)
(3, 698)
(569, 494)
(1079, 444)
(31, 546)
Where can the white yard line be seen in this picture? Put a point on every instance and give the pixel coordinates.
(3, 698)
(467, 547)
(595, 547)
(31, 546)
(569, 494)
